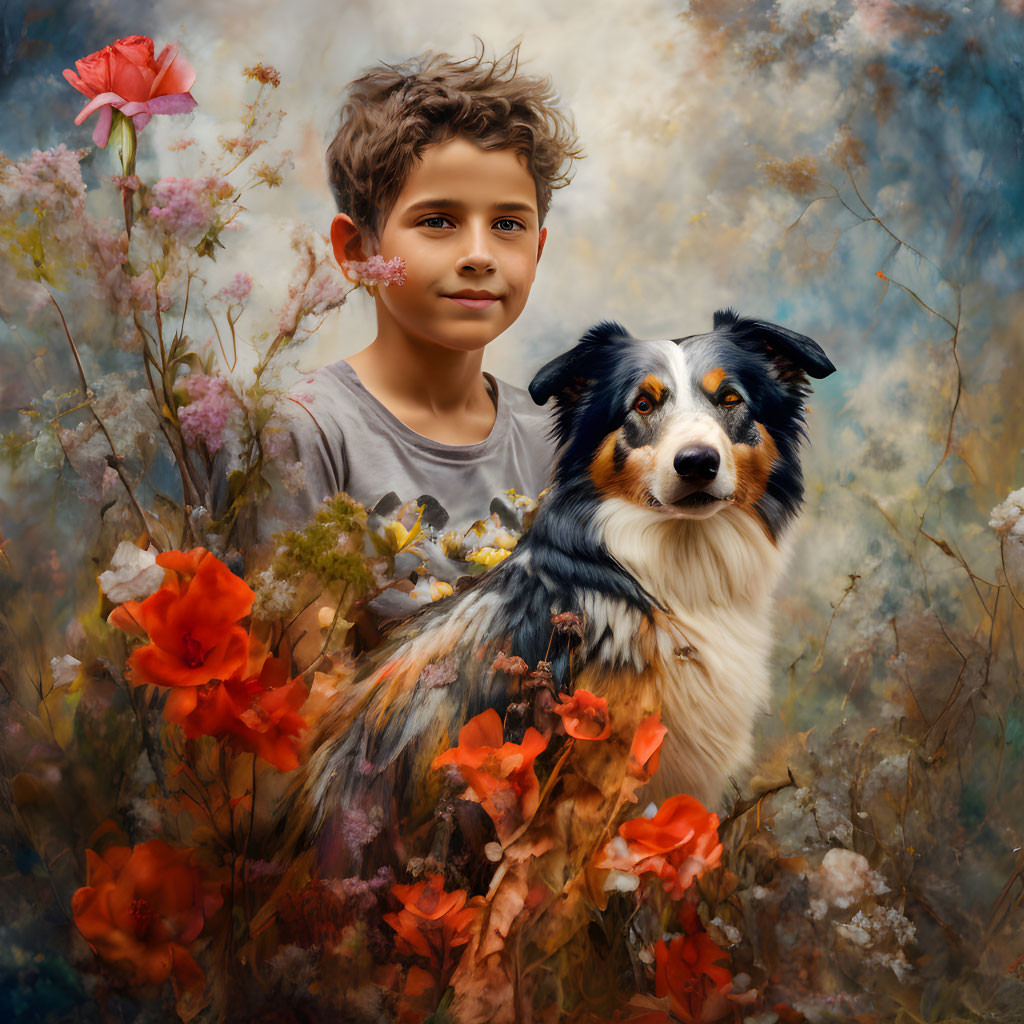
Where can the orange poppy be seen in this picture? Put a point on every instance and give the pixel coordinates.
(191, 621)
(584, 716)
(432, 921)
(141, 908)
(257, 714)
(644, 753)
(688, 970)
(501, 776)
(678, 844)
(419, 996)
(646, 747)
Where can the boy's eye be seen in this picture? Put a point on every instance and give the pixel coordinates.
(435, 221)
(507, 224)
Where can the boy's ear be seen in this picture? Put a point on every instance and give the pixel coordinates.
(541, 239)
(346, 239)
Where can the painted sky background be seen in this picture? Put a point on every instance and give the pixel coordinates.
(852, 170)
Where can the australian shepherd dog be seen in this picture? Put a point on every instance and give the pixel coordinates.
(677, 478)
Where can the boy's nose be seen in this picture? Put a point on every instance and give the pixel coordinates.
(478, 257)
(478, 262)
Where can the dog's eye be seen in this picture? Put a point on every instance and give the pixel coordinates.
(643, 405)
(730, 399)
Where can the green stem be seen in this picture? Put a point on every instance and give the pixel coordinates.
(126, 150)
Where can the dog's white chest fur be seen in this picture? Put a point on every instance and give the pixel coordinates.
(710, 647)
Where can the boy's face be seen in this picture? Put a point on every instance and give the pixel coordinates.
(466, 225)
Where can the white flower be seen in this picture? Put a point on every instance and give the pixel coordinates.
(65, 670)
(1008, 516)
(133, 574)
(621, 881)
(1008, 521)
(844, 878)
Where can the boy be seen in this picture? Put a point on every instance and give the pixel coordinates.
(448, 166)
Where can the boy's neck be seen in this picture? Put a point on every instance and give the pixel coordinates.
(438, 392)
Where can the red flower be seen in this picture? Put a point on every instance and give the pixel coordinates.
(688, 971)
(584, 716)
(192, 622)
(431, 921)
(125, 76)
(646, 747)
(257, 714)
(679, 843)
(644, 753)
(500, 775)
(142, 907)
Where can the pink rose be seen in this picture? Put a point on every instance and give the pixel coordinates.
(126, 76)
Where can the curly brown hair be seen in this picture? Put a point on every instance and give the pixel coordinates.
(392, 113)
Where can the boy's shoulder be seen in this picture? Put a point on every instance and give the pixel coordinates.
(335, 394)
(521, 407)
(335, 436)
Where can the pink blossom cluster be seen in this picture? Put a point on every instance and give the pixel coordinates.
(48, 182)
(124, 293)
(187, 207)
(130, 183)
(235, 292)
(320, 292)
(275, 439)
(128, 417)
(316, 288)
(46, 233)
(204, 417)
(375, 270)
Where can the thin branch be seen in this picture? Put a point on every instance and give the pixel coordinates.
(853, 577)
(114, 461)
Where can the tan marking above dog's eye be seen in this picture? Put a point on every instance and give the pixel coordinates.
(644, 405)
(653, 387)
(712, 379)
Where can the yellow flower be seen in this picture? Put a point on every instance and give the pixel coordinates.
(504, 540)
(489, 556)
(451, 544)
(396, 537)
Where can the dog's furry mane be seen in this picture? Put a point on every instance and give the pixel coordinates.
(675, 604)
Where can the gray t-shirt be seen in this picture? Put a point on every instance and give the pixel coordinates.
(344, 439)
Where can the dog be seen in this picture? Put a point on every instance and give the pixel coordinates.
(663, 532)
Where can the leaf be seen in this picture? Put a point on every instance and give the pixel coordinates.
(236, 484)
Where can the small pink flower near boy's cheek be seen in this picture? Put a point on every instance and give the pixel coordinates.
(376, 270)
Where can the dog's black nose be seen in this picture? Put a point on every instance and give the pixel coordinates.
(697, 463)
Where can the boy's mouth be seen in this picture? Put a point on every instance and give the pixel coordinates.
(473, 299)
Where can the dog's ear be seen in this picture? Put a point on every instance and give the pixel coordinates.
(795, 357)
(567, 376)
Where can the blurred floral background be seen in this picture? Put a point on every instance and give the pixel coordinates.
(851, 170)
